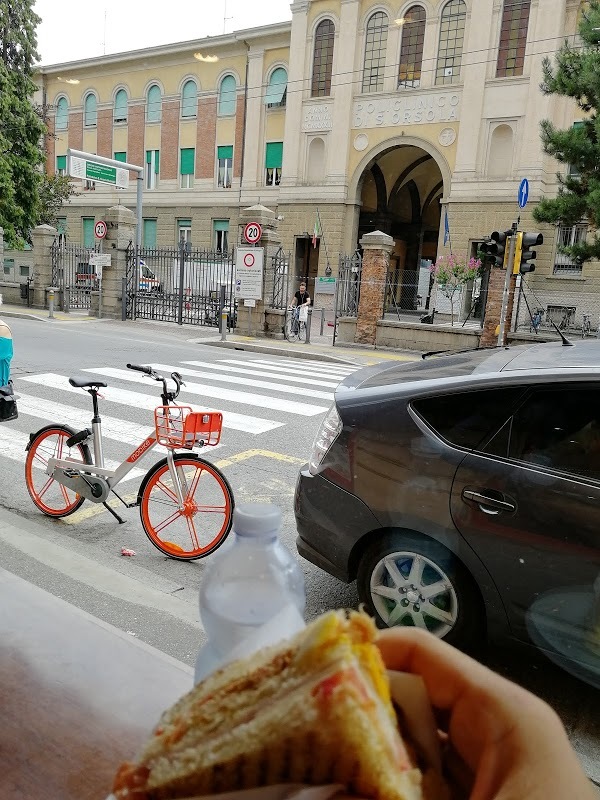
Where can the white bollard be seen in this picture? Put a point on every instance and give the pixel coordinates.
(51, 291)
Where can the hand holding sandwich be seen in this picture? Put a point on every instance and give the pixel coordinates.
(508, 743)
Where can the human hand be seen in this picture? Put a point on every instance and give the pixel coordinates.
(504, 743)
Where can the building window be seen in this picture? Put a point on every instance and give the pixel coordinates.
(61, 229)
(224, 166)
(89, 186)
(152, 168)
(323, 59)
(121, 156)
(189, 99)
(277, 89)
(221, 234)
(24, 271)
(88, 232)
(452, 34)
(61, 121)
(153, 104)
(9, 266)
(149, 234)
(513, 38)
(227, 96)
(184, 231)
(375, 51)
(567, 236)
(411, 48)
(273, 162)
(120, 108)
(61, 165)
(90, 114)
(187, 158)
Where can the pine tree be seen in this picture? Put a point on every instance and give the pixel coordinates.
(576, 74)
(21, 126)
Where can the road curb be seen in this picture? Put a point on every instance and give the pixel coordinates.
(6, 312)
(277, 351)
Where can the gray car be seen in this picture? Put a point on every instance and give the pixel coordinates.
(462, 492)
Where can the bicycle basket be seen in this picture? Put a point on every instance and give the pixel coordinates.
(179, 426)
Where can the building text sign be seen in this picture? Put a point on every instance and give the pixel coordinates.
(93, 171)
(249, 263)
(386, 112)
(318, 117)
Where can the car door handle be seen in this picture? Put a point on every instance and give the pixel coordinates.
(489, 505)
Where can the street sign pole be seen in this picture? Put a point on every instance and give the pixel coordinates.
(507, 279)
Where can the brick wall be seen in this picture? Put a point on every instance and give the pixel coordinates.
(50, 148)
(105, 132)
(372, 292)
(169, 140)
(493, 307)
(135, 136)
(76, 130)
(206, 137)
(239, 138)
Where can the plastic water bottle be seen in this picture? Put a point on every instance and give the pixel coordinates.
(252, 580)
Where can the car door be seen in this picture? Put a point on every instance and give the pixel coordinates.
(528, 502)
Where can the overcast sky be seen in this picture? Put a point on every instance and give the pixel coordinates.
(72, 29)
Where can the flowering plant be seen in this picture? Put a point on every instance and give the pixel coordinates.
(452, 273)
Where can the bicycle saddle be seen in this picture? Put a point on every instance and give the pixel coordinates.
(86, 383)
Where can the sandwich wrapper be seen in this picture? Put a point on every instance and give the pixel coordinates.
(408, 693)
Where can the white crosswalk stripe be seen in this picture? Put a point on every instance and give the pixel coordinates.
(245, 398)
(299, 368)
(261, 372)
(320, 366)
(146, 402)
(258, 384)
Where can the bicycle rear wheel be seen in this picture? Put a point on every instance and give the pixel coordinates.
(302, 331)
(51, 497)
(291, 328)
(205, 521)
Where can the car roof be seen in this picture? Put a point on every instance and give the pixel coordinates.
(494, 361)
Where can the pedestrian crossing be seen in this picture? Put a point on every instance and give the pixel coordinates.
(255, 395)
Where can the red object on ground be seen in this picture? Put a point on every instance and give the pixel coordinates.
(125, 551)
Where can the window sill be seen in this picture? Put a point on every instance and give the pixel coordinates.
(119, 123)
(189, 118)
(153, 121)
(226, 116)
(89, 127)
(555, 277)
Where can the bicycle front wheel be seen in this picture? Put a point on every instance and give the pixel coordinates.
(302, 331)
(205, 520)
(49, 496)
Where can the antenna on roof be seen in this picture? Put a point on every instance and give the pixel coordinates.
(104, 42)
(565, 341)
(225, 17)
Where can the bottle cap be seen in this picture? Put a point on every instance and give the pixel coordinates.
(256, 519)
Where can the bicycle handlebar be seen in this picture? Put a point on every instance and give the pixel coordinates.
(175, 376)
(145, 370)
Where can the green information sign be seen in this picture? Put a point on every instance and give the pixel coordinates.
(100, 172)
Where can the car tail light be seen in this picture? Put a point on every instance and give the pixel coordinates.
(330, 429)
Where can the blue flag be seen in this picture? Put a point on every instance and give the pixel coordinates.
(446, 227)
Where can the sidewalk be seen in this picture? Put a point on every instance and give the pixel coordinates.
(41, 314)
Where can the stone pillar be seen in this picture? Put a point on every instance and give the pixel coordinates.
(493, 307)
(255, 324)
(121, 233)
(42, 239)
(377, 247)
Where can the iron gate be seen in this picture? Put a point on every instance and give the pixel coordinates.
(174, 284)
(347, 293)
(72, 273)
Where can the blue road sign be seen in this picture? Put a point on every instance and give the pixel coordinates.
(523, 195)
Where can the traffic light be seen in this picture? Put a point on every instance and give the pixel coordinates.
(524, 254)
(495, 248)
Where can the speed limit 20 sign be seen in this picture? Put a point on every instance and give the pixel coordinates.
(252, 232)
(100, 229)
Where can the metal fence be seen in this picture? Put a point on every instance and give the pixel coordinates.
(537, 310)
(347, 294)
(72, 273)
(177, 284)
(278, 278)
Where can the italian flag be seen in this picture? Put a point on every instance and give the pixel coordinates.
(316, 231)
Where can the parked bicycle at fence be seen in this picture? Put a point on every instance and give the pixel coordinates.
(586, 326)
(186, 503)
(536, 320)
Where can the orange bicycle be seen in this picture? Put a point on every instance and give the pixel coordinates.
(186, 503)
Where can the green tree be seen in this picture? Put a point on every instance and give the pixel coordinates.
(21, 125)
(54, 192)
(576, 74)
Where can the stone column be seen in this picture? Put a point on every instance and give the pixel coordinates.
(297, 72)
(256, 324)
(42, 239)
(377, 247)
(121, 233)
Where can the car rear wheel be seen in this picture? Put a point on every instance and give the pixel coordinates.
(410, 580)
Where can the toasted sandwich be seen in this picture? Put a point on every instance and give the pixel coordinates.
(314, 710)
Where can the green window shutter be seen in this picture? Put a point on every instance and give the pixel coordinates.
(148, 156)
(88, 231)
(120, 108)
(189, 99)
(121, 156)
(227, 96)
(277, 86)
(149, 233)
(61, 162)
(184, 223)
(220, 225)
(157, 161)
(274, 156)
(186, 161)
(61, 225)
(225, 151)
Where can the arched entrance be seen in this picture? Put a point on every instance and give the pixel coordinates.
(398, 189)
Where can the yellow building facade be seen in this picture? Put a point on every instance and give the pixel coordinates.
(369, 115)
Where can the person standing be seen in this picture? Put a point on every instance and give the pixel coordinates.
(6, 352)
(301, 298)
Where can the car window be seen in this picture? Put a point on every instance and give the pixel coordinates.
(466, 419)
(555, 428)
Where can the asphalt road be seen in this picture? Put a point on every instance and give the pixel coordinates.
(152, 597)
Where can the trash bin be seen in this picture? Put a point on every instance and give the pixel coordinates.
(24, 291)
